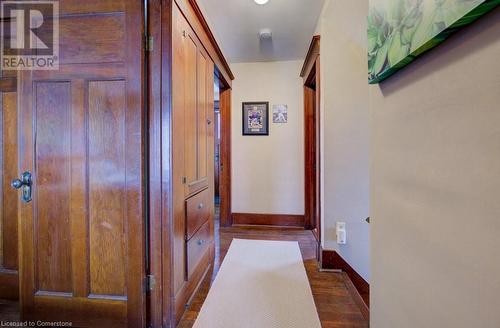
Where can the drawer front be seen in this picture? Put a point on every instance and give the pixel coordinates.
(197, 212)
(197, 247)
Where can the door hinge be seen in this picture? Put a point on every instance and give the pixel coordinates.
(150, 283)
(184, 180)
(149, 43)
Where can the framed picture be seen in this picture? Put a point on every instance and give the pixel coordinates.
(280, 113)
(399, 31)
(255, 119)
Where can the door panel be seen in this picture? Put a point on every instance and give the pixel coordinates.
(202, 116)
(9, 169)
(82, 235)
(8, 204)
(190, 138)
(179, 188)
(107, 181)
(197, 79)
(102, 33)
(53, 167)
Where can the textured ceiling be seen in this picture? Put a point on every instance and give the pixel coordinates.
(236, 25)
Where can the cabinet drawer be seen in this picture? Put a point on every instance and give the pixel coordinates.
(197, 212)
(197, 247)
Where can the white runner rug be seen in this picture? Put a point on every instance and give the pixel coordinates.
(261, 284)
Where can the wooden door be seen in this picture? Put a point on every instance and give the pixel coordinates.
(190, 109)
(225, 157)
(217, 152)
(310, 156)
(312, 159)
(198, 116)
(82, 235)
(9, 279)
(317, 153)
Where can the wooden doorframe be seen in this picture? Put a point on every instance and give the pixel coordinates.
(312, 150)
(159, 302)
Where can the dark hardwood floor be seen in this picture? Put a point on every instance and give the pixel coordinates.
(336, 307)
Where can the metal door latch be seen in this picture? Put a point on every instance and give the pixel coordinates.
(25, 183)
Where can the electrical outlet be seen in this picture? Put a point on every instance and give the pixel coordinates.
(341, 233)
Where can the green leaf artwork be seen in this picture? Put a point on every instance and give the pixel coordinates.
(401, 30)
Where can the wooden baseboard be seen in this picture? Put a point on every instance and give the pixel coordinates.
(360, 289)
(283, 220)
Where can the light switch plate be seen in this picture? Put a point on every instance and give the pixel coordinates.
(340, 226)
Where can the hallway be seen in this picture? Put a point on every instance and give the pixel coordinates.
(332, 295)
(250, 163)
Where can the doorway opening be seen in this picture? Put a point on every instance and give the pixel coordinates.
(311, 75)
(217, 163)
(217, 169)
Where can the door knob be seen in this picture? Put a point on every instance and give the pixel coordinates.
(25, 183)
(16, 184)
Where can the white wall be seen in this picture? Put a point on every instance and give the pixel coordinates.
(268, 171)
(436, 186)
(345, 129)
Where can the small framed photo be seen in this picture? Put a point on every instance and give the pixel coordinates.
(280, 113)
(255, 119)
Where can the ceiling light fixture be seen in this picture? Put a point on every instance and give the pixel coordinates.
(261, 2)
(266, 33)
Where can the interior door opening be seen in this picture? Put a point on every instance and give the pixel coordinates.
(217, 171)
(217, 138)
(312, 150)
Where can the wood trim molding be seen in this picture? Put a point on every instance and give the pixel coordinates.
(194, 16)
(283, 220)
(211, 37)
(159, 302)
(312, 53)
(356, 296)
(332, 260)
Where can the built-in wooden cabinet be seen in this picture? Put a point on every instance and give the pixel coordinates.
(193, 160)
(119, 142)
